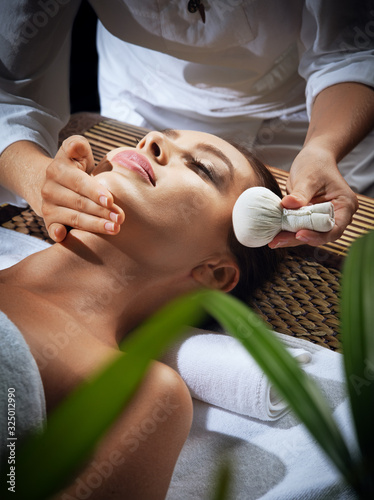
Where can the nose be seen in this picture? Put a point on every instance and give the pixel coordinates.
(156, 146)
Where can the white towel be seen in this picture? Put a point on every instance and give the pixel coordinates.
(16, 246)
(270, 460)
(217, 369)
(17, 366)
(18, 373)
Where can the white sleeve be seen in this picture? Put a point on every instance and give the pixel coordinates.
(338, 45)
(34, 71)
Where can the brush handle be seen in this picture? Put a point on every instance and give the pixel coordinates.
(319, 217)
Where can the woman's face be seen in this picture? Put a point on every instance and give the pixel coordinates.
(177, 189)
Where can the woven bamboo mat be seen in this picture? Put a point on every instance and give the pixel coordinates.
(302, 299)
(24, 221)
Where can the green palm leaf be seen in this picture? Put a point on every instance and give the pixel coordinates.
(357, 315)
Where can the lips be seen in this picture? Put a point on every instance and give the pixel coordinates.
(136, 162)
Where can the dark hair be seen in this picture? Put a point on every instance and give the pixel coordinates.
(257, 265)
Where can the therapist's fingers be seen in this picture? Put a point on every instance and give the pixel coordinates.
(57, 195)
(74, 198)
(57, 232)
(77, 147)
(66, 172)
(302, 237)
(315, 178)
(343, 213)
(76, 211)
(79, 220)
(73, 160)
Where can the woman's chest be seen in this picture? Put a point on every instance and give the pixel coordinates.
(64, 350)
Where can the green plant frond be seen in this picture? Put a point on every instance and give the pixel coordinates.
(357, 317)
(223, 480)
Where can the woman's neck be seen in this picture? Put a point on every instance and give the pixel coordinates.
(95, 282)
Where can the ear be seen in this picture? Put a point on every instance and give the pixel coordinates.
(220, 274)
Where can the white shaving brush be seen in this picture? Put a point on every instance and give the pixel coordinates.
(258, 216)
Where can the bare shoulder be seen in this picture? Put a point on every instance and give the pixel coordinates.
(64, 350)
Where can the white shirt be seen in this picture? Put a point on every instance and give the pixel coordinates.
(250, 61)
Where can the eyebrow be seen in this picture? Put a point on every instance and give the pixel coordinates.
(170, 132)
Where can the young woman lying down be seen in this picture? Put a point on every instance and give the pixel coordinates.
(176, 191)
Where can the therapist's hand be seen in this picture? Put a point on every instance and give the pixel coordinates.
(315, 178)
(71, 197)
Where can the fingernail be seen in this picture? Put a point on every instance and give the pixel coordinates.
(113, 217)
(280, 244)
(303, 239)
(103, 200)
(109, 226)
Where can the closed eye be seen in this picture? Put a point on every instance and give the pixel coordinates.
(206, 169)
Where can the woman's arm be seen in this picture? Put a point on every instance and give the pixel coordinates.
(60, 189)
(22, 171)
(34, 106)
(337, 62)
(341, 117)
(34, 98)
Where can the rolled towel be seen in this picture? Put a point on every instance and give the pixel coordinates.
(258, 216)
(218, 370)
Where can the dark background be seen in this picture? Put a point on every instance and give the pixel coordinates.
(83, 62)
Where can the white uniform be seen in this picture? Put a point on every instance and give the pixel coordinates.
(250, 73)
